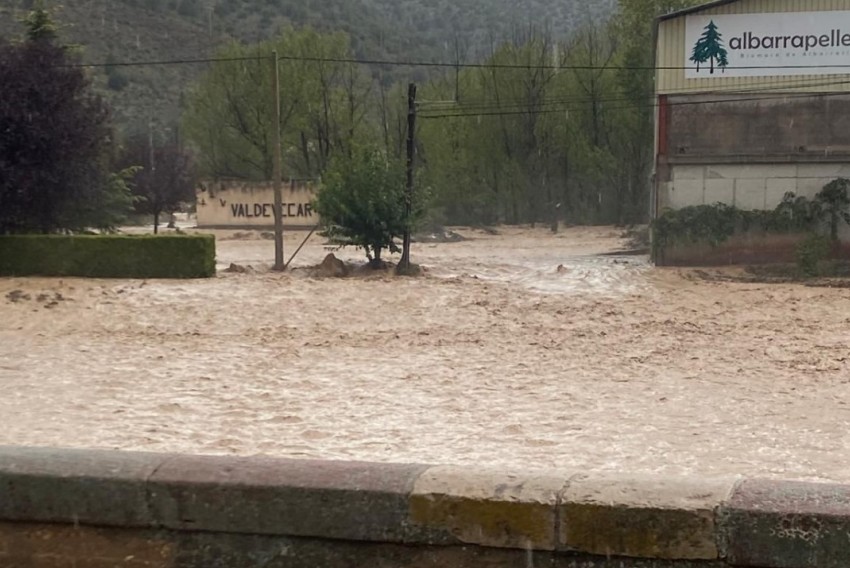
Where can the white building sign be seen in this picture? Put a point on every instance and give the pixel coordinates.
(755, 45)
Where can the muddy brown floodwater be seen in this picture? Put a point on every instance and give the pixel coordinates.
(494, 357)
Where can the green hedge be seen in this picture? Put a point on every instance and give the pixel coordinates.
(108, 256)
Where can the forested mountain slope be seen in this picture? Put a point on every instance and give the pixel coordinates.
(121, 31)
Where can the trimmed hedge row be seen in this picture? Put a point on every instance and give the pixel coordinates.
(108, 256)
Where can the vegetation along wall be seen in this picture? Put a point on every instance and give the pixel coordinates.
(108, 256)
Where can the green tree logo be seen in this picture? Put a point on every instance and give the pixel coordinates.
(709, 49)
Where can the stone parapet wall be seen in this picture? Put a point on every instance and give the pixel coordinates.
(92, 509)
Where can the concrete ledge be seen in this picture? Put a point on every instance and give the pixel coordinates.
(488, 508)
(347, 500)
(89, 509)
(76, 486)
(643, 517)
(785, 524)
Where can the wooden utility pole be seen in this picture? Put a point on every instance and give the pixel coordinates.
(278, 198)
(152, 165)
(411, 150)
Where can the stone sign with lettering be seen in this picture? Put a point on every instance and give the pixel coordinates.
(250, 205)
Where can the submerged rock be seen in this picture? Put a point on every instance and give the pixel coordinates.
(332, 267)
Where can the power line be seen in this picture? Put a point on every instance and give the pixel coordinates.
(168, 62)
(413, 63)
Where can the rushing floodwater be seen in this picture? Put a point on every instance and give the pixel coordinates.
(495, 357)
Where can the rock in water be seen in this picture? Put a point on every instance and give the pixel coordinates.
(332, 267)
(238, 268)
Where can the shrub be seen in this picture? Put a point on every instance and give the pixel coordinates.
(362, 203)
(714, 224)
(833, 203)
(711, 224)
(811, 253)
(108, 256)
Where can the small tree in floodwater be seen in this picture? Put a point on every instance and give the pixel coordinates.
(361, 202)
(164, 177)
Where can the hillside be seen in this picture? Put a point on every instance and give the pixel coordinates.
(144, 30)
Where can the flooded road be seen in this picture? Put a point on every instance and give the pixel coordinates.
(496, 356)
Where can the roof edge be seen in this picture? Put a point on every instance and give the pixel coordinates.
(692, 9)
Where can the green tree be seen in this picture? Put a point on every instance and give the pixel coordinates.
(833, 204)
(323, 107)
(709, 48)
(56, 142)
(362, 202)
(634, 26)
(163, 179)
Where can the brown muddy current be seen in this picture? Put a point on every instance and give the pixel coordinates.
(496, 356)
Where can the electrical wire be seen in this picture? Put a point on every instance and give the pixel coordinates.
(503, 109)
(165, 62)
(413, 63)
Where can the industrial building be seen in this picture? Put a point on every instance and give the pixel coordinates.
(753, 101)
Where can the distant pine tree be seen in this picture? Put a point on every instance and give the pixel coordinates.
(709, 48)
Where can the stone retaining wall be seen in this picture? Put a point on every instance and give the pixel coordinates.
(743, 249)
(94, 509)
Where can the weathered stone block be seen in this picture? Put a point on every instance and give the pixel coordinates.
(488, 508)
(343, 500)
(785, 524)
(643, 517)
(75, 486)
(211, 550)
(40, 545)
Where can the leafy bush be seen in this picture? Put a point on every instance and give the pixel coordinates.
(108, 256)
(362, 203)
(714, 224)
(811, 253)
(833, 203)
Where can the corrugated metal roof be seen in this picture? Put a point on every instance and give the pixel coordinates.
(693, 9)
